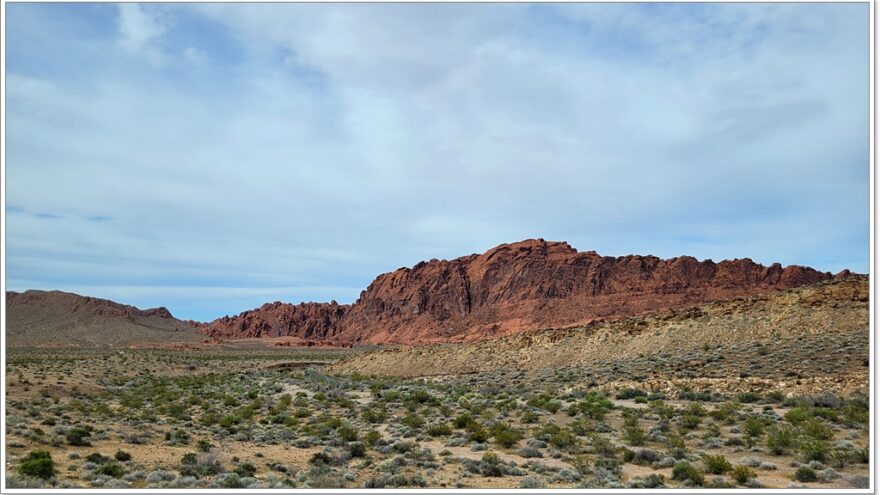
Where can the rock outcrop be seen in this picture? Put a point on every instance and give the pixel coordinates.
(513, 288)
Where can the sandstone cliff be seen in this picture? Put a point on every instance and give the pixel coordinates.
(509, 289)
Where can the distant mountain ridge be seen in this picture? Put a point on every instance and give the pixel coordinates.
(511, 288)
(56, 318)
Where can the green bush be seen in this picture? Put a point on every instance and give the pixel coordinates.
(439, 430)
(690, 421)
(413, 421)
(634, 435)
(742, 474)
(38, 464)
(505, 436)
(347, 433)
(357, 449)
(717, 464)
(630, 393)
(245, 469)
(122, 456)
(79, 437)
(563, 439)
(490, 465)
(97, 458)
(781, 439)
(111, 469)
(684, 471)
(805, 474)
(371, 437)
(813, 449)
(753, 426)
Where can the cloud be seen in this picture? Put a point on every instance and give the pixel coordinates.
(139, 30)
(308, 146)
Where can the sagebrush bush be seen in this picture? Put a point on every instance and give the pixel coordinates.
(806, 474)
(38, 464)
(717, 464)
(684, 471)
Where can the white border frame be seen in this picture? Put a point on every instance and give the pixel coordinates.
(872, 374)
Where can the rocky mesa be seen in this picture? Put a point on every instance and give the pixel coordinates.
(513, 288)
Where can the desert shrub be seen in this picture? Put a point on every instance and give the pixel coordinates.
(371, 437)
(439, 430)
(232, 480)
(413, 420)
(684, 471)
(689, 421)
(634, 436)
(748, 397)
(38, 464)
(357, 449)
(528, 416)
(653, 480)
(533, 482)
(815, 428)
(491, 466)
(347, 433)
(582, 427)
(111, 469)
(753, 426)
(563, 439)
(603, 446)
(504, 435)
(96, 458)
(245, 469)
(463, 420)
(204, 445)
(608, 464)
(797, 415)
(122, 456)
(717, 464)
(374, 415)
(594, 406)
(544, 401)
(477, 432)
(724, 412)
(630, 393)
(79, 437)
(320, 459)
(742, 474)
(805, 474)
(781, 439)
(856, 412)
(645, 456)
(813, 449)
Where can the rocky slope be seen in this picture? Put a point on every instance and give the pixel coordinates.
(808, 339)
(513, 288)
(55, 318)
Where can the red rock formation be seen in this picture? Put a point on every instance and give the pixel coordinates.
(306, 320)
(511, 288)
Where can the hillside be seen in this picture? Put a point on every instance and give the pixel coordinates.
(509, 289)
(813, 337)
(62, 319)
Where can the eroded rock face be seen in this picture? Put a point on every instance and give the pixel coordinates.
(512, 288)
(307, 320)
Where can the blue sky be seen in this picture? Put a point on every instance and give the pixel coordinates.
(212, 157)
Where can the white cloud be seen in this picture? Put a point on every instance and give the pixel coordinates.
(139, 29)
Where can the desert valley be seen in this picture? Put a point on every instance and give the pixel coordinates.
(530, 365)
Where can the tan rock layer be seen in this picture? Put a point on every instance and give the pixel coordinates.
(509, 289)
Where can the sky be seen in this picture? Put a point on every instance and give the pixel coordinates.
(212, 157)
